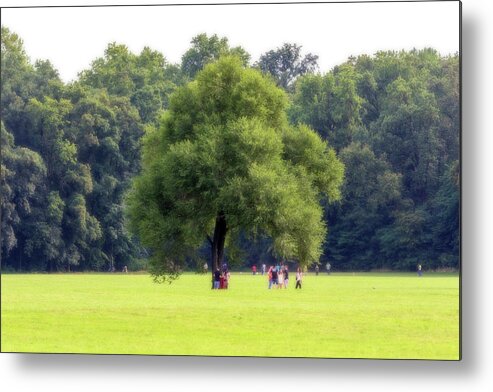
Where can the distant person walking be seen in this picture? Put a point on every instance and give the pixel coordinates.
(269, 275)
(420, 271)
(328, 266)
(206, 267)
(254, 270)
(299, 278)
(263, 269)
(317, 268)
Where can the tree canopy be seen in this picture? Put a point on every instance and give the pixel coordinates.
(286, 64)
(394, 119)
(207, 49)
(225, 160)
(70, 153)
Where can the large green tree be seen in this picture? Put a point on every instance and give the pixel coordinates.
(207, 49)
(226, 162)
(286, 63)
(22, 174)
(146, 79)
(107, 129)
(371, 194)
(70, 151)
(330, 104)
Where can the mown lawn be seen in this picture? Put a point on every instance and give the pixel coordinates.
(341, 315)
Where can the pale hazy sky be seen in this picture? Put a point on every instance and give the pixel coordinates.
(71, 38)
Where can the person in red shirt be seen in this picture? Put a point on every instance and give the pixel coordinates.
(221, 281)
(254, 270)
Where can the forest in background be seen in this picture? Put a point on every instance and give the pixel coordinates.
(69, 152)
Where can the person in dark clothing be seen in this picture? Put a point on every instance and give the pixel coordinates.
(274, 277)
(299, 278)
(217, 278)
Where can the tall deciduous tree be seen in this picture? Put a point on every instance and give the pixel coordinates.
(286, 63)
(146, 79)
(330, 104)
(371, 194)
(108, 130)
(207, 49)
(225, 161)
(69, 153)
(22, 173)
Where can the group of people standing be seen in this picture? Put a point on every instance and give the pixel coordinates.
(221, 278)
(279, 276)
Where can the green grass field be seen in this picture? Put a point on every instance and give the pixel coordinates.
(341, 315)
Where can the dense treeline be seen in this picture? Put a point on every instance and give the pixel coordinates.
(70, 151)
(394, 119)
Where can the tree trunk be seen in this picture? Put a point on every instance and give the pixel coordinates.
(217, 248)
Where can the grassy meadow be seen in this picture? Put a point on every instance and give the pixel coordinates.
(342, 315)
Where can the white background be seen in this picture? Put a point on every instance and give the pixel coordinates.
(72, 37)
(474, 373)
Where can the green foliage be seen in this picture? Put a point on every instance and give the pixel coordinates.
(220, 153)
(21, 81)
(147, 79)
(330, 104)
(387, 116)
(371, 193)
(306, 149)
(81, 136)
(229, 150)
(205, 50)
(22, 174)
(109, 129)
(445, 219)
(286, 63)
